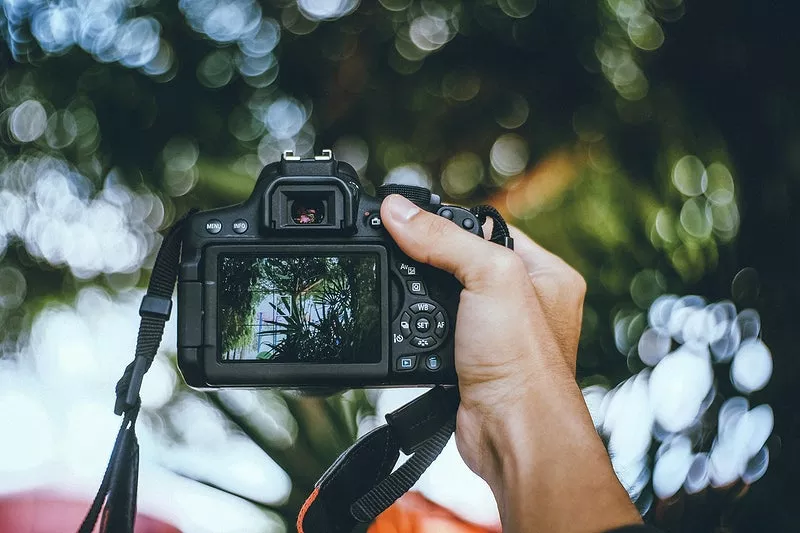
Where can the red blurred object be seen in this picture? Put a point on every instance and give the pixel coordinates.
(413, 513)
(39, 512)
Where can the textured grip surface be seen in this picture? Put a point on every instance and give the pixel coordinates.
(418, 195)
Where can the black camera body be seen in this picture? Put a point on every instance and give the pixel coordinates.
(301, 286)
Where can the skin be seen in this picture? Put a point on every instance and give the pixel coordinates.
(522, 424)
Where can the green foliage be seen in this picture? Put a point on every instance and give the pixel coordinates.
(626, 89)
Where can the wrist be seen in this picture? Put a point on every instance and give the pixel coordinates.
(545, 455)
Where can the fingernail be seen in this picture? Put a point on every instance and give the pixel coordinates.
(400, 209)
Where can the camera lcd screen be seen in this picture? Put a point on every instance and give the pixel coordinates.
(299, 308)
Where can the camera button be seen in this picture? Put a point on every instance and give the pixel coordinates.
(422, 325)
(468, 223)
(423, 342)
(423, 307)
(213, 226)
(405, 324)
(406, 363)
(374, 221)
(416, 287)
(240, 226)
(433, 362)
(441, 324)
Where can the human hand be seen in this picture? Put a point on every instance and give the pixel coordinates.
(516, 344)
(518, 321)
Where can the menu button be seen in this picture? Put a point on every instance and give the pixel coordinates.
(213, 226)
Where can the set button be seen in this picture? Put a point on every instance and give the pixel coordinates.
(424, 327)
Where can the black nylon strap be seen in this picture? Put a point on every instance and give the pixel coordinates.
(360, 484)
(417, 195)
(116, 496)
(112, 474)
(154, 313)
(500, 233)
(385, 493)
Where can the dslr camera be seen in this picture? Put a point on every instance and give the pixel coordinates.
(301, 286)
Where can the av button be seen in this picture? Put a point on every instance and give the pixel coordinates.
(406, 363)
(422, 342)
(433, 362)
(213, 226)
(240, 226)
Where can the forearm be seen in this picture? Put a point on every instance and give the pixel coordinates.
(552, 472)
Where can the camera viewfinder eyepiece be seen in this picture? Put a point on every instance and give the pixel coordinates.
(309, 195)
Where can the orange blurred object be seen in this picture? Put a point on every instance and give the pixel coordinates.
(413, 513)
(38, 512)
(539, 185)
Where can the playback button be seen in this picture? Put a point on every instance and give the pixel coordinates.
(406, 363)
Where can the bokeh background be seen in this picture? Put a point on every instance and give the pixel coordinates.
(654, 144)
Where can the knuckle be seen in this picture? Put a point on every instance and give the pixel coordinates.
(504, 265)
(578, 282)
(575, 283)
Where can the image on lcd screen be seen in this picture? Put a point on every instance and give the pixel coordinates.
(299, 309)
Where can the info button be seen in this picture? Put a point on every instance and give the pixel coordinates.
(240, 226)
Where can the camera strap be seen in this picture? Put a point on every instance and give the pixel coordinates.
(359, 485)
(116, 497)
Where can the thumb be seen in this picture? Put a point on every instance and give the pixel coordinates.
(431, 239)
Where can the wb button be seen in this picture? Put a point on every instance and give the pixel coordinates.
(406, 363)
